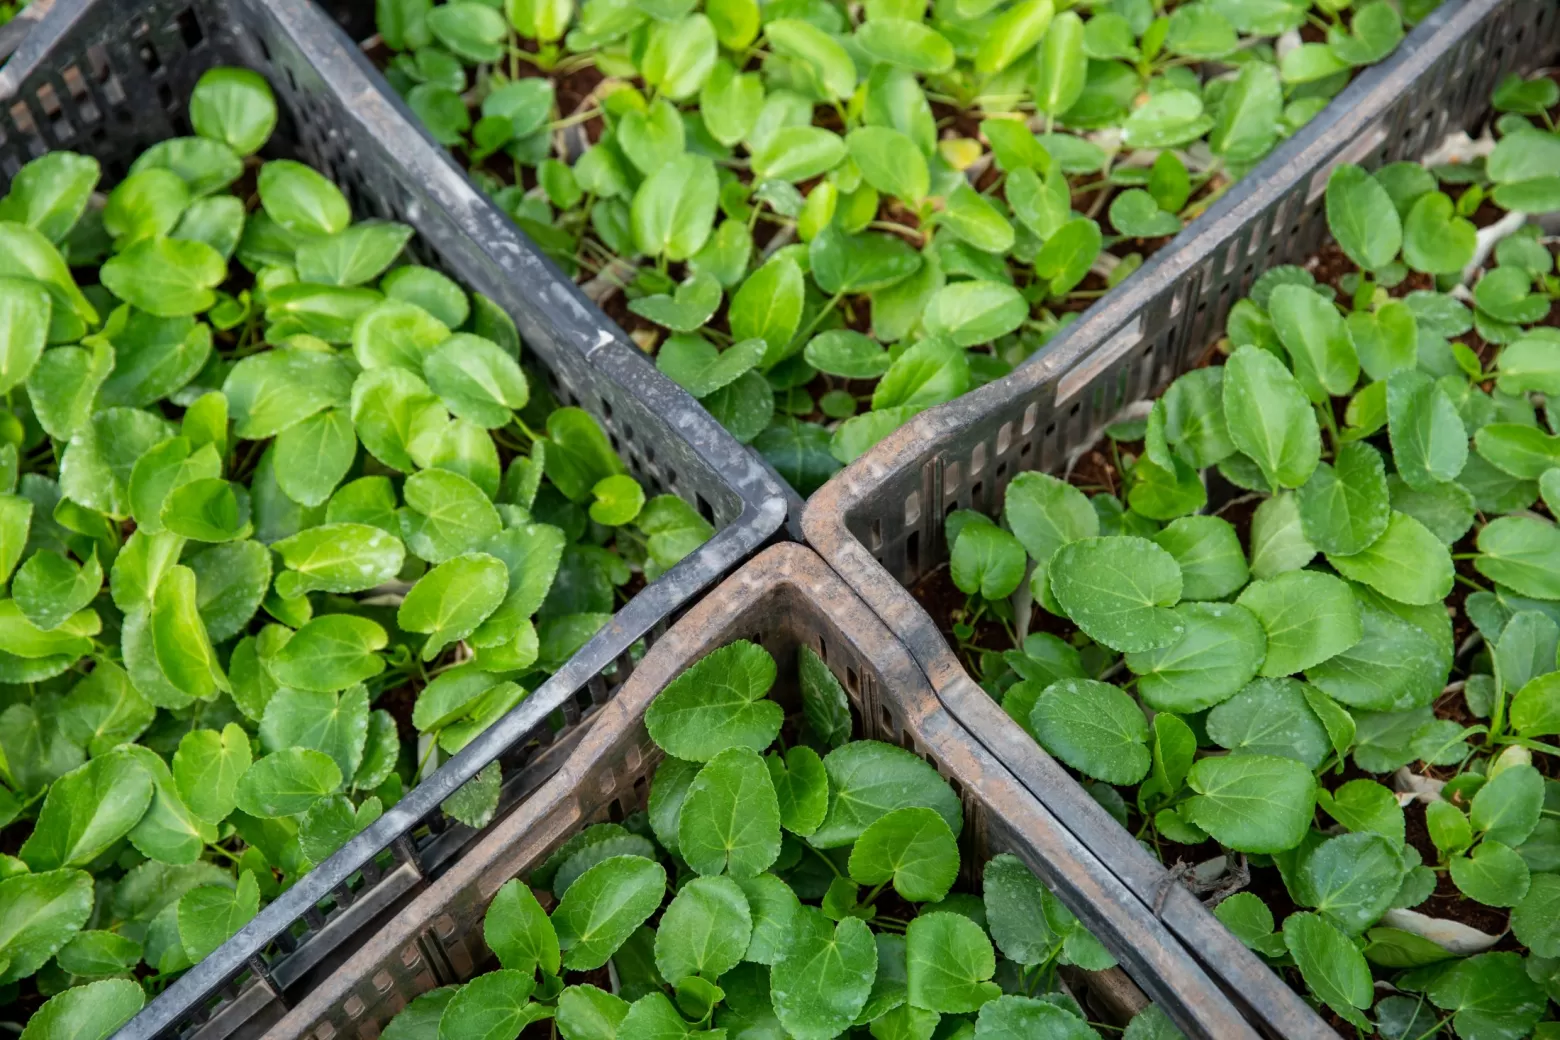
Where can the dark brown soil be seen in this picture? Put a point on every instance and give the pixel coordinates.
(546, 1029)
(399, 702)
(943, 600)
(1096, 469)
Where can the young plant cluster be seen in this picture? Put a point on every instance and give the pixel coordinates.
(1400, 442)
(827, 219)
(803, 892)
(240, 503)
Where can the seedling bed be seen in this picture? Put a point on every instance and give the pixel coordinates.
(1054, 422)
(930, 192)
(790, 604)
(108, 80)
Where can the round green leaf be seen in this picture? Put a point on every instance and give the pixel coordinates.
(906, 44)
(1536, 920)
(694, 364)
(802, 788)
(39, 913)
(210, 915)
(86, 811)
(914, 848)
(95, 953)
(1331, 965)
(91, 1012)
(1395, 665)
(1362, 218)
(1045, 514)
(619, 499)
(25, 308)
(51, 192)
(302, 200)
(889, 159)
(970, 216)
(603, 908)
(145, 205)
(1435, 239)
(1136, 215)
(827, 59)
(704, 931)
(1209, 553)
(674, 209)
(1493, 875)
(166, 277)
(1220, 649)
(339, 558)
(447, 515)
(1018, 1018)
(1308, 617)
(730, 819)
(1353, 879)
(287, 782)
(773, 906)
(846, 353)
(1269, 418)
(450, 601)
(949, 962)
(1270, 717)
(495, 1005)
(1015, 902)
(869, 779)
(1522, 553)
(971, 313)
(1118, 590)
(867, 262)
(1062, 67)
(1345, 507)
(1489, 994)
(988, 561)
(1523, 451)
(717, 704)
(1506, 809)
(1407, 563)
(1012, 35)
(476, 379)
(799, 153)
(330, 653)
(207, 768)
(1253, 803)
(588, 1013)
(234, 106)
(1429, 441)
(824, 975)
(1095, 728)
(275, 389)
(397, 333)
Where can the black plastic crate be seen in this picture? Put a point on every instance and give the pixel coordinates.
(879, 523)
(1445, 104)
(111, 77)
(13, 32)
(784, 599)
